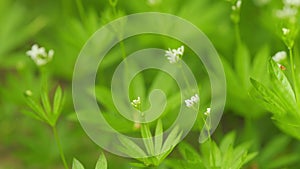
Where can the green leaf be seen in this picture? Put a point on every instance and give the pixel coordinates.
(130, 148)
(101, 163)
(242, 64)
(227, 141)
(46, 101)
(171, 140)
(76, 164)
(104, 96)
(260, 61)
(266, 97)
(189, 153)
(283, 87)
(32, 114)
(37, 108)
(158, 137)
(147, 138)
(58, 101)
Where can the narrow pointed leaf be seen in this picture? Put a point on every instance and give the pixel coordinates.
(102, 162)
(158, 137)
(58, 101)
(130, 148)
(147, 138)
(76, 164)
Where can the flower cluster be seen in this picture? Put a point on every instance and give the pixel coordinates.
(136, 103)
(173, 55)
(290, 9)
(193, 100)
(39, 55)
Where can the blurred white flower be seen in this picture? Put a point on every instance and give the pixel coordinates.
(136, 103)
(237, 5)
(285, 31)
(292, 2)
(279, 56)
(207, 112)
(193, 100)
(173, 55)
(287, 12)
(39, 55)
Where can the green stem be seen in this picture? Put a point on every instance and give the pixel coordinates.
(185, 78)
(237, 34)
(80, 9)
(293, 73)
(59, 147)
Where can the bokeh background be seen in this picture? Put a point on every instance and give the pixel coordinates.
(65, 26)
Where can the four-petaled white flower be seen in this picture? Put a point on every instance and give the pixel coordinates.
(173, 55)
(39, 55)
(279, 56)
(207, 113)
(136, 103)
(193, 100)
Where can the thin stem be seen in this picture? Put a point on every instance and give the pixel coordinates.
(293, 73)
(184, 76)
(237, 34)
(59, 147)
(80, 9)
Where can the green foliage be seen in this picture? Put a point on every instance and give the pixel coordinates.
(280, 99)
(213, 156)
(101, 163)
(157, 149)
(245, 35)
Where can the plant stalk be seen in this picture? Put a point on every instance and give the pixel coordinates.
(59, 147)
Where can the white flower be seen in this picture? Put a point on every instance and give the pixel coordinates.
(279, 56)
(285, 31)
(237, 6)
(207, 112)
(193, 100)
(136, 103)
(39, 55)
(287, 12)
(292, 2)
(174, 55)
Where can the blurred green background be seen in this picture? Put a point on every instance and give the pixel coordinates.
(65, 25)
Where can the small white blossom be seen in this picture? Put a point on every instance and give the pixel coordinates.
(173, 55)
(285, 31)
(193, 100)
(237, 6)
(207, 112)
(287, 12)
(136, 103)
(279, 56)
(39, 55)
